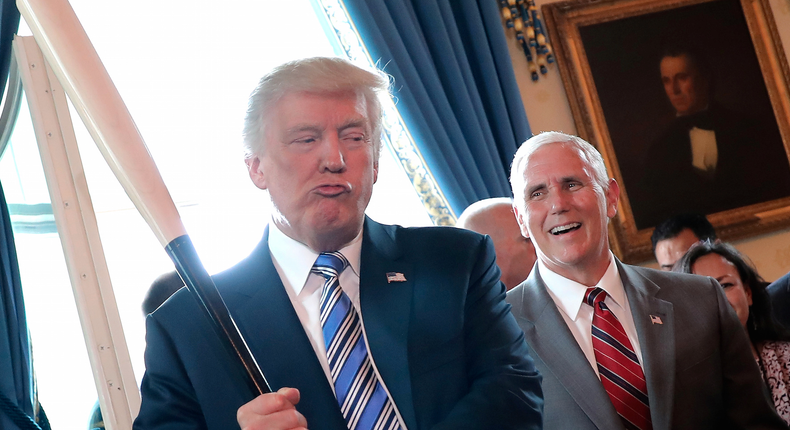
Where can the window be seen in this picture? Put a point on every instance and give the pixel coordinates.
(185, 71)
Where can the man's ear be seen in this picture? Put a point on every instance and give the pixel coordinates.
(375, 171)
(612, 198)
(522, 223)
(255, 170)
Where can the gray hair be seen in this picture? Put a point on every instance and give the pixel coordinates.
(318, 75)
(589, 155)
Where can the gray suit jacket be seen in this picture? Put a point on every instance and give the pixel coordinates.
(699, 368)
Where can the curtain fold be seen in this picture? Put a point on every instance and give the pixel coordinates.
(455, 88)
(16, 378)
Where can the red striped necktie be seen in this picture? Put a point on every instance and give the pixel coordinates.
(621, 375)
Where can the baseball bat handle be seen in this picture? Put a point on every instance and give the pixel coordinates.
(197, 280)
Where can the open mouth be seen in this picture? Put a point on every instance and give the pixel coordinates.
(567, 228)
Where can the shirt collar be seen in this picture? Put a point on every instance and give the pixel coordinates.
(296, 259)
(568, 294)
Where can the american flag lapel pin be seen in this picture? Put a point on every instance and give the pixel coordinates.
(395, 277)
(656, 319)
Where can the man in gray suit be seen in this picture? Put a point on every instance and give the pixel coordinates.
(689, 361)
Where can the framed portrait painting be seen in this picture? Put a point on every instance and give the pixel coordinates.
(688, 102)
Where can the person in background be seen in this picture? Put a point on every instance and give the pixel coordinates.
(515, 254)
(160, 290)
(674, 236)
(745, 290)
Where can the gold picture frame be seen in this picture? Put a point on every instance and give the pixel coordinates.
(609, 56)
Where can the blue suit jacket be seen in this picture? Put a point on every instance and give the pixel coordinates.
(444, 341)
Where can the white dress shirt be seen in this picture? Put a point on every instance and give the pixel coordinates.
(568, 295)
(293, 261)
(704, 152)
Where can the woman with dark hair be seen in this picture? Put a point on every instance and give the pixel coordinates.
(745, 290)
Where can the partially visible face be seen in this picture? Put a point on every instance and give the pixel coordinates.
(686, 88)
(565, 212)
(669, 251)
(719, 268)
(318, 165)
(515, 254)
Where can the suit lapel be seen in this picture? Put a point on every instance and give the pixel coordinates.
(553, 342)
(265, 315)
(386, 307)
(656, 340)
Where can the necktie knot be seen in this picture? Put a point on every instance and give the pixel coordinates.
(594, 295)
(330, 264)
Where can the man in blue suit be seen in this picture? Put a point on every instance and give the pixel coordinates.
(426, 338)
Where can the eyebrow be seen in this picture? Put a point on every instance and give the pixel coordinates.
(534, 188)
(567, 179)
(304, 127)
(351, 124)
(564, 180)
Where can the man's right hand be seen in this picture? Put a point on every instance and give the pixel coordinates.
(272, 411)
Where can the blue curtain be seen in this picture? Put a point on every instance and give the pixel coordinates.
(16, 378)
(455, 88)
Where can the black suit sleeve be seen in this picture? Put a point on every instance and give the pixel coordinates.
(505, 391)
(168, 401)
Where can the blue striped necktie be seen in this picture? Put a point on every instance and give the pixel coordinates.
(363, 401)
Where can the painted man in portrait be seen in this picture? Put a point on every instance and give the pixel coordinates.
(710, 158)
